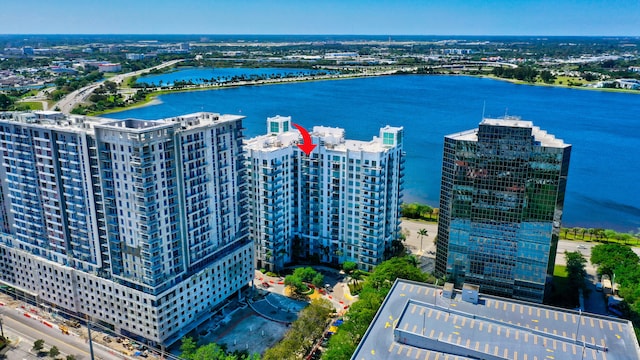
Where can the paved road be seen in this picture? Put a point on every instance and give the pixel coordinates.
(72, 99)
(25, 331)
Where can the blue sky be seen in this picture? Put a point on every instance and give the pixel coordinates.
(376, 17)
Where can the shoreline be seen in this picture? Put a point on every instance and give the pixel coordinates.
(153, 96)
(562, 86)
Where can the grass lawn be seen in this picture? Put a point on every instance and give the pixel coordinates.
(33, 105)
(560, 271)
(565, 80)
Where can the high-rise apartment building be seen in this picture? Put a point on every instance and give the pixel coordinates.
(140, 225)
(340, 203)
(501, 204)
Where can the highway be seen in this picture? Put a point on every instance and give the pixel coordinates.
(67, 103)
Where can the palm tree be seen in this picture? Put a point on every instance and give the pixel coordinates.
(575, 232)
(422, 233)
(356, 276)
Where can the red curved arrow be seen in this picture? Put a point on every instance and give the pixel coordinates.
(307, 144)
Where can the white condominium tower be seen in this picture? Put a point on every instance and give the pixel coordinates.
(340, 203)
(139, 225)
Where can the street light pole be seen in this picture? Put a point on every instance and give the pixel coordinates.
(579, 319)
(90, 340)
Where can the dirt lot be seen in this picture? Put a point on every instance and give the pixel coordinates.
(246, 330)
(413, 240)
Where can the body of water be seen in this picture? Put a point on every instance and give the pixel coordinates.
(201, 75)
(603, 127)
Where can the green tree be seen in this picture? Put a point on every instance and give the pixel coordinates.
(295, 283)
(210, 351)
(356, 276)
(303, 333)
(576, 272)
(70, 357)
(349, 266)
(5, 102)
(387, 272)
(318, 280)
(305, 274)
(38, 345)
(610, 256)
(53, 352)
(188, 347)
(547, 76)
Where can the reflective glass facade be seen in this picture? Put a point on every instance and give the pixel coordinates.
(501, 202)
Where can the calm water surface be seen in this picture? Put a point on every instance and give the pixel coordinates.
(198, 75)
(604, 128)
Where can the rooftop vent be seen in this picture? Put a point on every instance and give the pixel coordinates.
(447, 291)
(470, 293)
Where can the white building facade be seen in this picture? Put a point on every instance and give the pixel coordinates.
(340, 203)
(135, 224)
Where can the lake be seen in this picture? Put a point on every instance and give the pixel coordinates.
(603, 127)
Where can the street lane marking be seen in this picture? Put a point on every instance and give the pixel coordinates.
(46, 335)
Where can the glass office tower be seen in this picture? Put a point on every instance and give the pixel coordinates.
(501, 204)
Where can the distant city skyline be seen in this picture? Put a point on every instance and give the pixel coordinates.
(356, 17)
